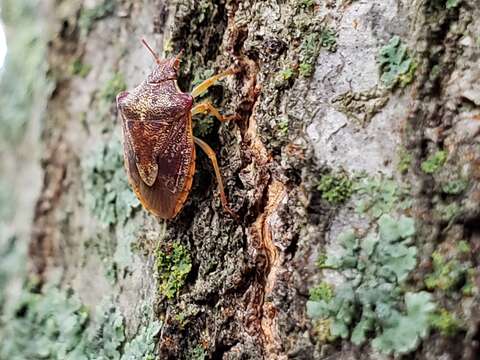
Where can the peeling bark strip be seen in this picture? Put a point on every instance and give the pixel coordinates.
(314, 102)
(272, 340)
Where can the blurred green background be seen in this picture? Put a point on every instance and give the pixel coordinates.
(23, 92)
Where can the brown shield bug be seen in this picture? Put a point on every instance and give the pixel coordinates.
(159, 146)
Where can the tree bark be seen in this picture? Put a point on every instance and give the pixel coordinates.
(325, 99)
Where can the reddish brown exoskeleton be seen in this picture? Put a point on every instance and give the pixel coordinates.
(159, 146)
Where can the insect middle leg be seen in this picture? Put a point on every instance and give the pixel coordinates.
(213, 158)
(202, 87)
(208, 108)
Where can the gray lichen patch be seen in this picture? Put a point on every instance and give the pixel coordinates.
(52, 322)
(108, 194)
(374, 267)
(361, 106)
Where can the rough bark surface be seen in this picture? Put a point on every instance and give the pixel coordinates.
(314, 100)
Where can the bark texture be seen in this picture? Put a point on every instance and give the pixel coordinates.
(370, 104)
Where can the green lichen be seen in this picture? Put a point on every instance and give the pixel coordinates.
(434, 162)
(108, 336)
(142, 346)
(375, 267)
(185, 315)
(321, 259)
(328, 39)
(287, 74)
(80, 69)
(172, 265)
(448, 274)
(47, 325)
(309, 50)
(404, 160)
(380, 196)
(306, 3)
(182, 319)
(197, 353)
(113, 86)
(455, 187)
(396, 65)
(405, 330)
(448, 212)
(285, 77)
(463, 247)
(107, 192)
(283, 126)
(53, 324)
(335, 188)
(389, 249)
(89, 16)
(303, 37)
(305, 69)
(445, 322)
(451, 4)
(322, 291)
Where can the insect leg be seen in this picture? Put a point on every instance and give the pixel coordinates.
(213, 158)
(201, 88)
(208, 108)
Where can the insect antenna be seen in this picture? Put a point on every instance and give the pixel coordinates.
(155, 55)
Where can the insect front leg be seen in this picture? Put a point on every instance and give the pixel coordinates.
(208, 108)
(201, 88)
(213, 158)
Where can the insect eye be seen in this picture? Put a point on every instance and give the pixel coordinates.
(176, 64)
(121, 97)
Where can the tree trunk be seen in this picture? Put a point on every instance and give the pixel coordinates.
(353, 168)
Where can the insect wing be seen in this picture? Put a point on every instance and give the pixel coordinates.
(160, 162)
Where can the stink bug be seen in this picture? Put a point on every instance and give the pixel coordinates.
(159, 146)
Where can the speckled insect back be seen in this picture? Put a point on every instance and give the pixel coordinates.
(159, 146)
